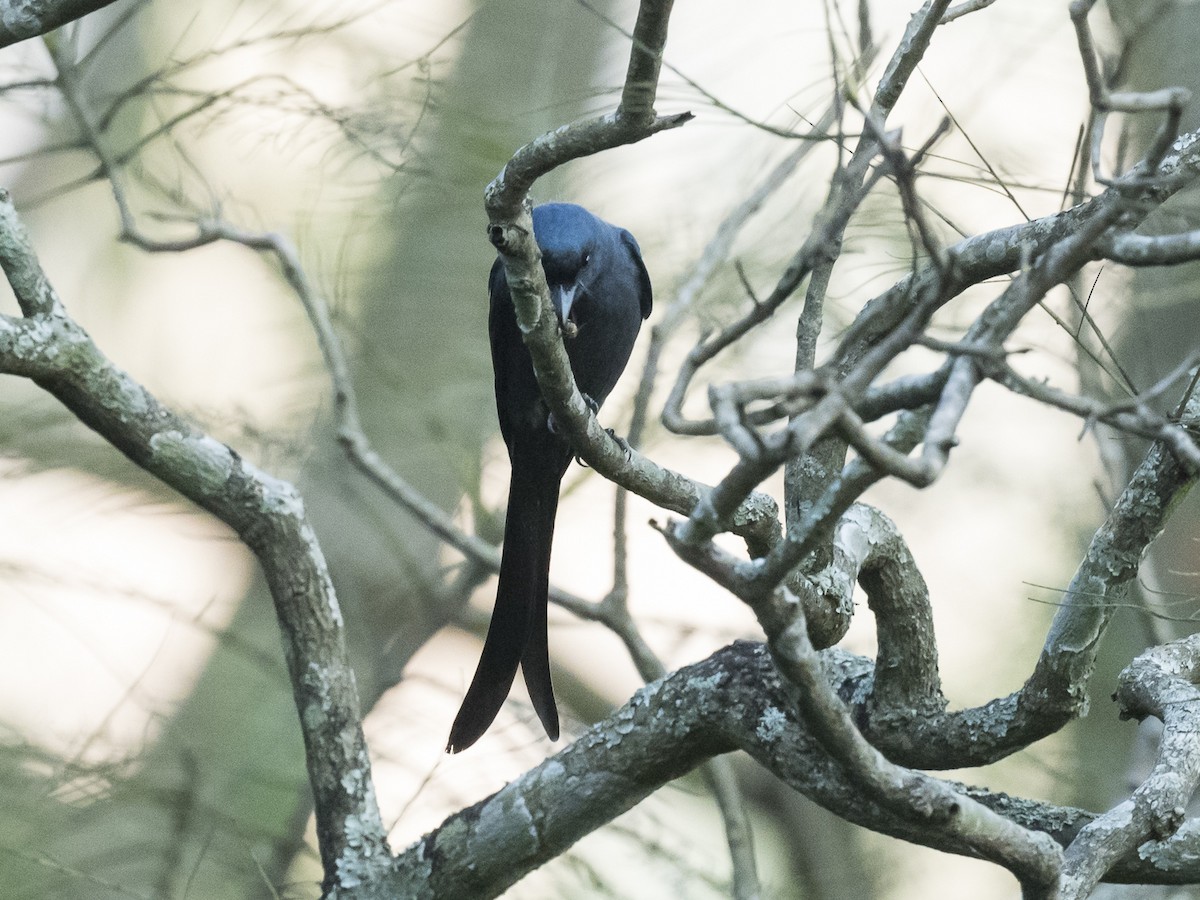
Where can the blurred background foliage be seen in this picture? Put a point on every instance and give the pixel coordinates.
(148, 745)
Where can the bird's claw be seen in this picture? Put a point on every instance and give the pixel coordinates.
(621, 442)
(553, 425)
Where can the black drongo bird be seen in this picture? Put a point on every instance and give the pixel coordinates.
(601, 292)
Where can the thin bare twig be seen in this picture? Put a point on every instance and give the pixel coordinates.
(1171, 100)
(965, 8)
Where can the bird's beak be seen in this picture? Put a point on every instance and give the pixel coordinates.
(564, 296)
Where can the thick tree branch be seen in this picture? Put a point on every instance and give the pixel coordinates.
(266, 513)
(22, 19)
(906, 680)
(928, 802)
(733, 700)
(909, 795)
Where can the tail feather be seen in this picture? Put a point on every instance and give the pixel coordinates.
(535, 666)
(517, 633)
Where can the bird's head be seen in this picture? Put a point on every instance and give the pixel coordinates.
(569, 237)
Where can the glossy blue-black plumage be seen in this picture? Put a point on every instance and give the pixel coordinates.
(601, 292)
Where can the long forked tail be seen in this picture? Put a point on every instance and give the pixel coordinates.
(517, 634)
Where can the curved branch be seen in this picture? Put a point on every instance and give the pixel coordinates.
(1153, 250)
(1056, 691)
(266, 513)
(1160, 683)
(926, 802)
(906, 663)
(734, 700)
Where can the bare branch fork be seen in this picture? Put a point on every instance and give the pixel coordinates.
(1171, 100)
(819, 404)
(816, 401)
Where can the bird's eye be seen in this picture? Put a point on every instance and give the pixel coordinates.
(587, 258)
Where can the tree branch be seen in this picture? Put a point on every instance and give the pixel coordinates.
(22, 19)
(266, 513)
(928, 802)
(734, 700)
(1056, 691)
(1160, 683)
